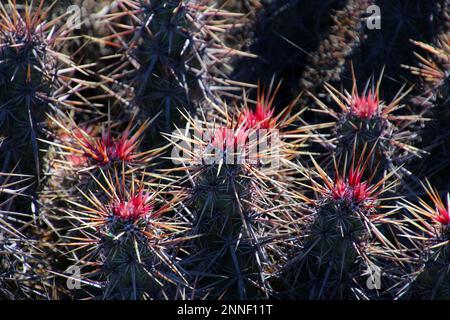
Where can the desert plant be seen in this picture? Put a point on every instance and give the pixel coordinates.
(124, 242)
(327, 63)
(337, 252)
(432, 71)
(365, 119)
(23, 273)
(80, 157)
(82, 151)
(171, 56)
(429, 230)
(237, 172)
(35, 80)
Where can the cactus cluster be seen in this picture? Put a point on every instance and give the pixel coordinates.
(342, 246)
(169, 166)
(231, 165)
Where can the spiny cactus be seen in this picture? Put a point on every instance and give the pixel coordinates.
(79, 156)
(338, 250)
(430, 230)
(172, 56)
(80, 152)
(84, 150)
(364, 118)
(34, 81)
(433, 72)
(236, 196)
(123, 241)
(22, 267)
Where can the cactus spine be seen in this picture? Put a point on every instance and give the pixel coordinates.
(173, 55)
(429, 226)
(228, 201)
(338, 248)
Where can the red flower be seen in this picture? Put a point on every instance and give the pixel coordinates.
(137, 207)
(364, 107)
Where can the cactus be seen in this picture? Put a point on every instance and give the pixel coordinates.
(433, 72)
(364, 118)
(229, 197)
(283, 34)
(80, 157)
(78, 154)
(23, 273)
(327, 63)
(430, 229)
(388, 46)
(172, 56)
(248, 208)
(34, 81)
(337, 252)
(123, 241)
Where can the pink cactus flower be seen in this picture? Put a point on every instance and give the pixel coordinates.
(137, 207)
(364, 107)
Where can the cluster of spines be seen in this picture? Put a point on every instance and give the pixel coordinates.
(35, 78)
(362, 117)
(334, 254)
(428, 228)
(225, 185)
(173, 56)
(123, 242)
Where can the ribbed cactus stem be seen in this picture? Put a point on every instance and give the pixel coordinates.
(364, 119)
(431, 280)
(31, 80)
(331, 260)
(128, 263)
(130, 242)
(225, 252)
(335, 257)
